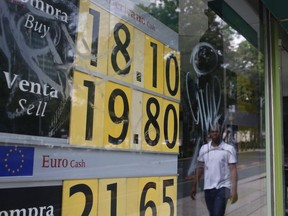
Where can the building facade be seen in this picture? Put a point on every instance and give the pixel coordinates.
(105, 104)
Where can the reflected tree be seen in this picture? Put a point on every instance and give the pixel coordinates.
(167, 13)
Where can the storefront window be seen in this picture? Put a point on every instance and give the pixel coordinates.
(222, 74)
(106, 104)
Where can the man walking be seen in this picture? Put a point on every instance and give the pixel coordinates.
(217, 161)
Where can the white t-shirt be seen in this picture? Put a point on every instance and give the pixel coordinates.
(216, 164)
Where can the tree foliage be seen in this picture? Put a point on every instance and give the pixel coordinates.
(167, 14)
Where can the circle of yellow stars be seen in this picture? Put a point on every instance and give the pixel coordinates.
(8, 155)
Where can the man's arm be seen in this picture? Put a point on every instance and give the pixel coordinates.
(234, 179)
(198, 175)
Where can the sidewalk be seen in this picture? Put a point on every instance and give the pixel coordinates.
(251, 200)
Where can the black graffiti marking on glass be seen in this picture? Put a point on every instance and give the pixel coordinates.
(152, 120)
(174, 91)
(124, 118)
(95, 36)
(113, 206)
(150, 204)
(169, 108)
(167, 199)
(154, 64)
(90, 109)
(208, 102)
(204, 58)
(86, 190)
(122, 48)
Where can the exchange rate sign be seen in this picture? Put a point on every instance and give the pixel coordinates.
(126, 88)
(98, 73)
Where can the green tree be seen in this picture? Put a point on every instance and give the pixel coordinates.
(167, 14)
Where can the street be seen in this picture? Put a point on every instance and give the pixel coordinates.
(250, 163)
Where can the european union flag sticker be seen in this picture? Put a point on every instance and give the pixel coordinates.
(16, 161)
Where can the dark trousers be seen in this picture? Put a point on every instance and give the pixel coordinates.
(216, 200)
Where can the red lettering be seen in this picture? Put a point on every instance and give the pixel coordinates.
(77, 164)
(65, 163)
(45, 162)
(48, 162)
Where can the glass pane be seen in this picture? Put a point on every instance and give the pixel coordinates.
(105, 106)
(222, 75)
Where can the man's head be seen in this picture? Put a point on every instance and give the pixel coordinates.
(215, 133)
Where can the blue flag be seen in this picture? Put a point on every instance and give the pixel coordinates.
(16, 161)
